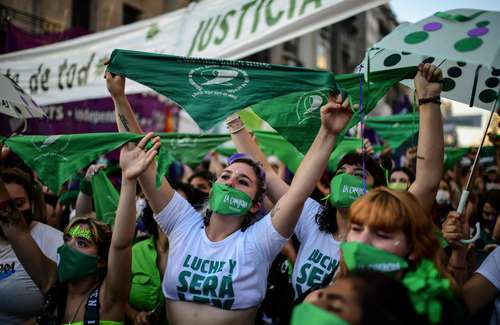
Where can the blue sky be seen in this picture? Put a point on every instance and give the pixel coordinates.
(415, 10)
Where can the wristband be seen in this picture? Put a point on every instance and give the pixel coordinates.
(234, 124)
(435, 99)
(85, 187)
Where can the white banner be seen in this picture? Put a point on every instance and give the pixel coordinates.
(73, 70)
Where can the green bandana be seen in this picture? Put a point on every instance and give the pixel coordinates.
(75, 265)
(344, 190)
(306, 313)
(394, 129)
(357, 255)
(427, 288)
(397, 186)
(228, 201)
(77, 231)
(57, 158)
(105, 198)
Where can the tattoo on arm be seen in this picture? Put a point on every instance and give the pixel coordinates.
(275, 209)
(420, 157)
(124, 121)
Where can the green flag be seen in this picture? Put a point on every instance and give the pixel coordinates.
(210, 89)
(453, 155)
(394, 129)
(105, 197)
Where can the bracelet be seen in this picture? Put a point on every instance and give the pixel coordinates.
(235, 124)
(85, 187)
(435, 99)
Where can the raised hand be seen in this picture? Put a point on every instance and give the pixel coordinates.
(115, 84)
(134, 159)
(454, 228)
(94, 168)
(427, 81)
(335, 114)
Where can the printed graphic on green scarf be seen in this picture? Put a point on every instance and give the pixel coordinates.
(306, 313)
(207, 281)
(357, 255)
(462, 42)
(394, 129)
(75, 265)
(200, 85)
(105, 198)
(345, 189)
(314, 271)
(77, 231)
(428, 289)
(228, 201)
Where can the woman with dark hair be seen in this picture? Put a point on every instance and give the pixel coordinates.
(25, 295)
(91, 283)
(218, 263)
(401, 179)
(321, 229)
(361, 297)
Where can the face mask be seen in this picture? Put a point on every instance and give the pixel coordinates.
(75, 265)
(443, 197)
(228, 201)
(345, 189)
(357, 255)
(397, 186)
(306, 313)
(492, 186)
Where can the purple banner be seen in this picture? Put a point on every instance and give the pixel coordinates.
(97, 116)
(17, 39)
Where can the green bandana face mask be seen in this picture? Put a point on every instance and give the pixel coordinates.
(397, 186)
(345, 189)
(75, 265)
(228, 201)
(357, 255)
(306, 313)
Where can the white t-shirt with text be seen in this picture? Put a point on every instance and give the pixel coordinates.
(490, 269)
(228, 274)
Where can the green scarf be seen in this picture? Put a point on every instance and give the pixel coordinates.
(394, 129)
(105, 198)
(58, 157)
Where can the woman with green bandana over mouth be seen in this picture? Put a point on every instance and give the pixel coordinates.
(321, 229)
(218, 263)
(92, 280)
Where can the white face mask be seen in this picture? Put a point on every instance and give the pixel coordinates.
(443, 197)
(492, 186)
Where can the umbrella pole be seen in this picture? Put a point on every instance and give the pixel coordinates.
(466, 191)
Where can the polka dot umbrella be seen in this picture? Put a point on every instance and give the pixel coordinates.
(464, 43)
(15, 102)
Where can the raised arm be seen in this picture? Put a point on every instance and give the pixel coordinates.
(126, 122)
(84, 200)
(243, 142)
(334, 117)
(17, 233)
(430, 150)
(133, 161)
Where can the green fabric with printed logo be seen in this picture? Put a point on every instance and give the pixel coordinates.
(297, 116)
(394, 129)
(228, 201)
(209, 89)
(307, 313)
(105, 197)
(57, 158)
(357, 255)
(345, 189)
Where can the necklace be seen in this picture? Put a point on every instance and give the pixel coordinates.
(77, 310)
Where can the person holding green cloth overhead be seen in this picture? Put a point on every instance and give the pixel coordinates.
(320, 230)
(218, 262)
(91, 282)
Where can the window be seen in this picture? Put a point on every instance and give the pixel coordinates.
(80, 13)
(130, 14)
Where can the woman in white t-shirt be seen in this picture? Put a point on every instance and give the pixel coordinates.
(320, 229)
(222, 259)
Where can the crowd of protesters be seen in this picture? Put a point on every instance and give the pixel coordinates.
(243, 240)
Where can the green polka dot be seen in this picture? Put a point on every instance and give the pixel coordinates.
(487, 95)
(392, 60)
(415, 38)
(483, 23)
(448, 84)
(468, 44)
